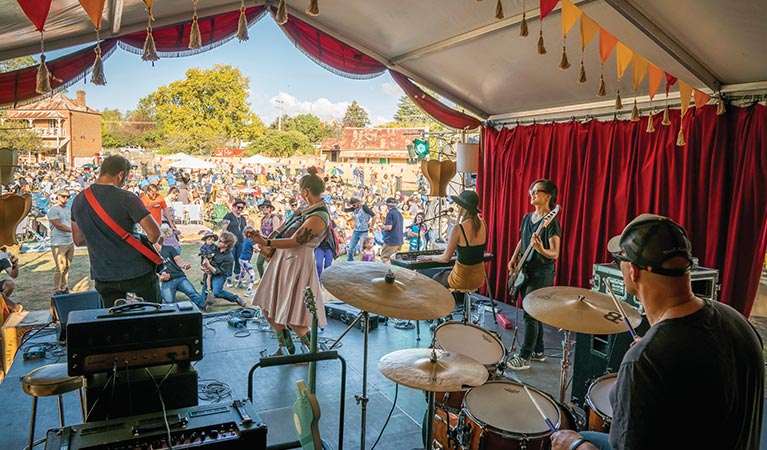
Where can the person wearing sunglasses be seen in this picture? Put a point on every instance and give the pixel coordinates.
(235, 223)
(62, 246)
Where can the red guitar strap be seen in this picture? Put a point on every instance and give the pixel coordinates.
(124, 235)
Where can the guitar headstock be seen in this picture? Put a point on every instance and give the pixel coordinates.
(309, 300)
(550, 216)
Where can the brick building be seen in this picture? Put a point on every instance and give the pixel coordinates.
(371, 145)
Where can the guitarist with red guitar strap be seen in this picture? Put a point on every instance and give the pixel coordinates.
(532, 265)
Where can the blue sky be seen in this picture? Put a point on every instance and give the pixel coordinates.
(275, 67)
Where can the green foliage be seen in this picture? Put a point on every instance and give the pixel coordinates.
(281, 144)
(9, 65)
(206, 110)
(310, 126)
(129, 129)
(16, 134)
(356, 116)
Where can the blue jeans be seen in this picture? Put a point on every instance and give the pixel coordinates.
(169, 288)
(357, 236)
(217, 285)
(600, 440)
(324, 258)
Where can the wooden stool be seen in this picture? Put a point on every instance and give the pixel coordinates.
(48, 380)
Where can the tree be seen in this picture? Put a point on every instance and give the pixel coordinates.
(281, 144)
(409, 115)
(10, 65)
(280, 122)
(310, 126)
(16, 134)
(206, 110)
(356, 116)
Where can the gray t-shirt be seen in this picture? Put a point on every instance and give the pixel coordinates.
(64, 214)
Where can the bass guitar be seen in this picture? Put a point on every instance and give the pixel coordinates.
(306, 409)
(517, 276)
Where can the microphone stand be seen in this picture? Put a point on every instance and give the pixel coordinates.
(438, 216)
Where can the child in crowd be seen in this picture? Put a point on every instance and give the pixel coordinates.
(170, 236)
(368, 253)
(219, 268)
(246, 268)
(207, 251)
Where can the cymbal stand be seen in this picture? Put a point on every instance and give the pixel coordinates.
(565, 365)
(431, 407)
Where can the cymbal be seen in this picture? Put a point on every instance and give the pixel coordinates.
(451, 372)
(411, 296)
(580, 310)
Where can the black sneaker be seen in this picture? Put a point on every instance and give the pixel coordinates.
(540, 357)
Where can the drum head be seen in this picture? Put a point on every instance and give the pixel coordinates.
(505, 406)
(472, 341)
(599, 392)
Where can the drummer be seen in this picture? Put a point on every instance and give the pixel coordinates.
(695, 380)
(469, 238)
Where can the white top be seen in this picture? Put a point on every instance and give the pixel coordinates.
(64, 214)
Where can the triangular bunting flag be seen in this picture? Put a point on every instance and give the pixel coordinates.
(670, 80)
(655, 78)
(606, 44)
(701, 98)
(95, 9)
(685, 93)
(547, 6)
(589, 29)
(570, 15)
(37, 11)
(638, 70)
(623, 58)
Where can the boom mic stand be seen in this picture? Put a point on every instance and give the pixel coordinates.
(431, 219)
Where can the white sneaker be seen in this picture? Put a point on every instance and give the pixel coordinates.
(518, 363)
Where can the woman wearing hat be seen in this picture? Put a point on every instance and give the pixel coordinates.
(269, 223)
(469, 239)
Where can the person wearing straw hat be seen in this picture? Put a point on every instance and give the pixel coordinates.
(695, 380)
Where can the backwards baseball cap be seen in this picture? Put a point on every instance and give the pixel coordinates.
(391, 201)
(649, 241)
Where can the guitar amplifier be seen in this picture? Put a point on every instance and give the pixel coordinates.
(346, 314)
(133, 335)
(596, 355)
(233, 426)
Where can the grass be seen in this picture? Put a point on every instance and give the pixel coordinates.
(34, 284)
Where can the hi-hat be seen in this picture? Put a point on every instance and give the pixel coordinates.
(408, 296)
(579, 310)
(450, 372)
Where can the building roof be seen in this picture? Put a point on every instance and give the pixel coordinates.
(55, 102)
(37, 114)
(381, 140)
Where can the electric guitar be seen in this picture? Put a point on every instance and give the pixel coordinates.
(306, 409)
(517, 276)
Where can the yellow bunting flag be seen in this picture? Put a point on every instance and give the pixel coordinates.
(623, 58)
(606, 44)
(685, 95)
(589, 29)
(570, 15)
(701, 98)
(655, 79)
(94, 9)
(638, 70)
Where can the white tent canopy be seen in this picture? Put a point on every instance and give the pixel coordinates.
(191, 162)
(258, 159)
(179, 156)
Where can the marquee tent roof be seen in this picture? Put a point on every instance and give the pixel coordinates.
(459, 49)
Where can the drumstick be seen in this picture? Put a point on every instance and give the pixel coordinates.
(620, 309)
(540, 411)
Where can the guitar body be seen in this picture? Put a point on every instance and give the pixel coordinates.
(518, 277)
(268, 252)
(306, 418)
(284, 232)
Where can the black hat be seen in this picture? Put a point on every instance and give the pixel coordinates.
(239, 201)
(468, 200)
(209, 234)
(354, 201)
(266, 203)
(649, 241)
(391, 201)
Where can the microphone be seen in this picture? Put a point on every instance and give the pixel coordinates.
(443, 213)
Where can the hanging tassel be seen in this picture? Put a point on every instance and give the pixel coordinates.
(666, 121)
(43, 77)
(150, 52)
(720, 108)
(195, 40)
(541, 48)
(564, 64)
(680, 138)
(523, 31)
(582, 74)
(282, 13)
(499, 10)
(97, 74)
(242, 26)
(635, 112)
(650, 127)
(618, 102)
(602, 91)
(314, 8)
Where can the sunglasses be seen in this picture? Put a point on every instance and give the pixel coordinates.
(63, 196)
(620, 258)
(239, 207)
(536, 191)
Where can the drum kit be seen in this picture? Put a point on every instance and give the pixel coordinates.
(474, 413)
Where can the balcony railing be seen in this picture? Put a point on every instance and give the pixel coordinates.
(50, 132)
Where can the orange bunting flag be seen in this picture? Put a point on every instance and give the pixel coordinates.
(95, 9)
(623, 58)
(547, 6)
(606, 44)
(638, 70)
(656, 77)
(570, 15)
(589, 29)
(685, 93)
(701, 98)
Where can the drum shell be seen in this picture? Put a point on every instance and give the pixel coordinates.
(472, 341)
(598, 418)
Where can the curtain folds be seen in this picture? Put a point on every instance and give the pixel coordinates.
(609, 172)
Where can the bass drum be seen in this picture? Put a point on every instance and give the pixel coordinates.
(600, 410)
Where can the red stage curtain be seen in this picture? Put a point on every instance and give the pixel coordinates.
(331, 53)
(173, 41)
(19, 85)
(609, 172)
(433, 107)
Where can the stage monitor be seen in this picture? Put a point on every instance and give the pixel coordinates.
(63, 304)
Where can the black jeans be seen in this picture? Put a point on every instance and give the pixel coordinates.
(146, 286)
(533, 342)
(236, 252)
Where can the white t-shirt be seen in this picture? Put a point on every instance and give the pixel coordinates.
(64, 214)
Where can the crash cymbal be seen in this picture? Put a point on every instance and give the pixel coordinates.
(580, 310)
(450, 372)
(409, 296)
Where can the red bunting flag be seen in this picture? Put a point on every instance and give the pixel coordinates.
(547, 6)
(37, 11)
(670, 80)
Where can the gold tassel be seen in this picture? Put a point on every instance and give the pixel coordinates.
(195, 40)
(680, 137)
(523, 31)
(564, 64)
(282, 13)
(97, 74)
(720, 108)
(499, 10)
(582, 74)
(666, 121)
(650, 127)
(635, 112)
(43, 77)
(242, 26)
(618, 102)
(314, 8)
(150, 52)
(602, 91)
(541, 48)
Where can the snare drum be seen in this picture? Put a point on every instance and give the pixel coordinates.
(500, 415)
(600, 410)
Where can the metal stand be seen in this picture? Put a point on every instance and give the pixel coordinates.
(430, 406)
(565, 365)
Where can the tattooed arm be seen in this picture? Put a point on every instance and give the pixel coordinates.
(312, 227)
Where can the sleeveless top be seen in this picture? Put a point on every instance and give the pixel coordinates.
(469, 270)
(470, 254)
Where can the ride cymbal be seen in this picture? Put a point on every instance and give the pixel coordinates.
(579, 310)
(408, 296)
(450, 372)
